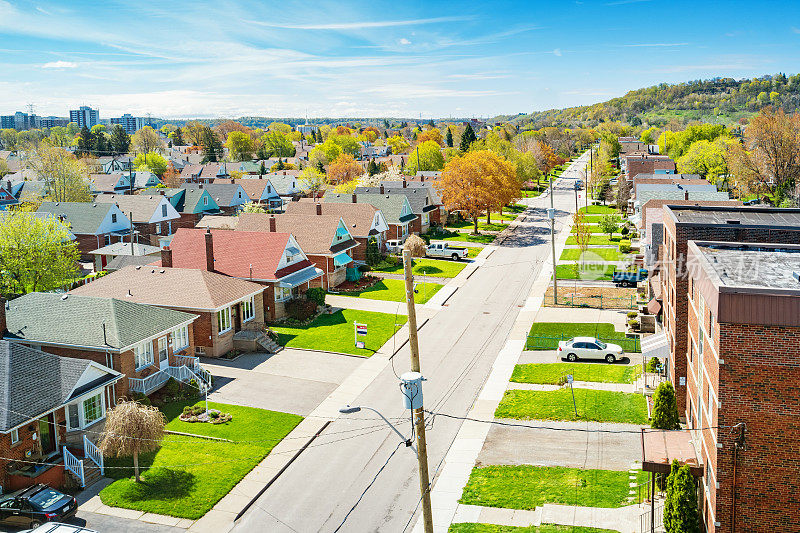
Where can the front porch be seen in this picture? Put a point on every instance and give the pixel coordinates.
(185, 369)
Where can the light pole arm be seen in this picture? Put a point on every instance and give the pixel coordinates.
(402, 437)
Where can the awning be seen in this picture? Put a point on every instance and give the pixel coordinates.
(341, 259)
(661, 447)
(655, 346)
(300, 277)
(655, 284)
(653, 307)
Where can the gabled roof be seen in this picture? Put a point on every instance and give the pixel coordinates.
(33, 382)
(391, 205)
(185, 200)
(121, 261)
(357, 217)
(143, 206)
(419, 197)
(235, 253)
(183, 288)
(125, 248)
(191, 170)
(254, 187)
(141, 178)
(83, 217)
(83, 321)
(107, 183)
(218, 222)
(314, 233)
(225, 194)
(282, 182)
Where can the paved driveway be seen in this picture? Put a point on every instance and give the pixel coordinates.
(291, 381)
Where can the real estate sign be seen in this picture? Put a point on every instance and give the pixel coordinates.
(360, 331)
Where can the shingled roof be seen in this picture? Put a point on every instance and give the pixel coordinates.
(391, 205)
(358, 218)
(33, 382)
(315, 233)
(82, 217)
(84, 321)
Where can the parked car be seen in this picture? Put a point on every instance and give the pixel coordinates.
(33, 506)
(578, 185)
(58, 527)
(443, 249)
(589, 348)
(628, 278)
(394, 246)
(754, 201)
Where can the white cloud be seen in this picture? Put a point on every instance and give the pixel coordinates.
(557, 52)
(404, 41)
(60, 64)
(358, 25)
(654, 45)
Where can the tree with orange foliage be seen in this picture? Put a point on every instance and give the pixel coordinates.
(171, 178)
(344, 169)
(477, 182)
(431, 135)
(371, 133)
(227, 126)
(343, 130)
(546, 158)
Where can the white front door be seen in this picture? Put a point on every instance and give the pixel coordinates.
(163, 353)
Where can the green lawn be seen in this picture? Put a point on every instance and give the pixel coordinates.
(587, 271)
(470, 527)
(473, 251)
(527, 487)
(545, 335)
(335, 333)
(190, 475)
(531, 194)
(394, 290)
(428, 267)
(483, 238)
(599, 210)
(551, 373)
(593, 405)
(598, 240)
(595, 219)
(606, 254)
(591, 228)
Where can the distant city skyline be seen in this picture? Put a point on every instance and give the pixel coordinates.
(372, 59)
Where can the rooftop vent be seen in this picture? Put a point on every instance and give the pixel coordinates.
(733, 221)
(138, 267)
(64, 296)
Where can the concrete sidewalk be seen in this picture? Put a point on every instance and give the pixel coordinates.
(584, 314)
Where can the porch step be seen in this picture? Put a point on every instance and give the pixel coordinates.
(91, 472)
(261, 338)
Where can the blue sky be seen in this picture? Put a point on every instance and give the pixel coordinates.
(375, 58)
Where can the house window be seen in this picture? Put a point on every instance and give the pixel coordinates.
(158, 229)
(162, 349)
(248, 309)
(224, 320)
(164, 210)
(711, 327)
(426, 218)
(73, 417)
(14, 436)
(114, 218)
(205, 200)
(92, 409)
(709, 404)
(180, 338)
(240, 194)
(107, 239)
(269, 189)
(282, 294)
(143, 354)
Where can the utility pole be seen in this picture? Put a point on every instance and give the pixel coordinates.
(132, 232)
(551, 214)
(419, 413)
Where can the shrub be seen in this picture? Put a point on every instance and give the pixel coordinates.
(373, 252)
(665, 408)
(624, 230)
(172, 388)
(141, 398)
(633, 323)
(624, 246)
(652, 364)
(680, 505)
(301, 309)
(364, 268)
(632, 314)
(316, 295)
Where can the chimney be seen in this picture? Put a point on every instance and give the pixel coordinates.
(355, 198)
(404, 183)
(383, 189)
(201, 185)
(319, 209)
(2, 317)
(166, 257)
(209, 251)
(686, 195)
(272, 226)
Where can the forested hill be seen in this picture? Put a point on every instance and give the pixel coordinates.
(722, 100)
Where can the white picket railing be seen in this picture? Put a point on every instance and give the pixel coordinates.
(74, 465)
(93, 452)
(148, 384)
(182, 373)
(188, 360)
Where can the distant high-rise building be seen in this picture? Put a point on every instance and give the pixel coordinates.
(51, 121)
(7, 122)
(129, 123)
(85, 116)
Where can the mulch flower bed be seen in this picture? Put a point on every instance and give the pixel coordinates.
(356, 286)
(198, 414)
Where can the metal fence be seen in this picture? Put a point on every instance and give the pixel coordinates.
(596, 301)
(541, 342)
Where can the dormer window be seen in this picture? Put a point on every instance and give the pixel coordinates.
(164, 210)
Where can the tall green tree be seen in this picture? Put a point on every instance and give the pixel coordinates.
(120, 140)
(665, 408)
(177, 137)
(84, 142)
(36, 253)
(212, 147)
(467, 138)
(680, 508)
(65, 176)
(448, 138)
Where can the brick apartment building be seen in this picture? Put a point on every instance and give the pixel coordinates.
(636, 164)
(707, 223)
(743, 384)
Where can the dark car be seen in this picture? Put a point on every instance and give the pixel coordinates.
(36, 505)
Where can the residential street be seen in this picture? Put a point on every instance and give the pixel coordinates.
(458, 348)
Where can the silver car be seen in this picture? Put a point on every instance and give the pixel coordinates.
(589, 348)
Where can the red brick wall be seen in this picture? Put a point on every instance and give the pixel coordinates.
(16, 452)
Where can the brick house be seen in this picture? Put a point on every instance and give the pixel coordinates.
(324, 239)
(395, 208)
(48, 402)
(153, 215)
(229, 197)
(94, 225)
(424, 200)
(260, 190)
(743, 384)
(273, 260)
(191, 204)
(363, 221)
(636, 164)
(708, 223)
(140, 342)
(224, 305)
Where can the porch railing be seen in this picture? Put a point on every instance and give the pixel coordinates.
(93, 452)
(185, 374)
(181, 373)
(194, 365)
(652, 521)
(148, 384)
(74, 465)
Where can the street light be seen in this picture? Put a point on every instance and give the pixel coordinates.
(349, 409)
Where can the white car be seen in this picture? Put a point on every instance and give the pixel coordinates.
(589, 348)
(394, 246)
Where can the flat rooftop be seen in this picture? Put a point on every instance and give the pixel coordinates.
(767, 266)
(744, 216)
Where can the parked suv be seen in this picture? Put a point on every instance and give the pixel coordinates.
(36, 505)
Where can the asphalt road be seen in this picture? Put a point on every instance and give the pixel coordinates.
(458, 347)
